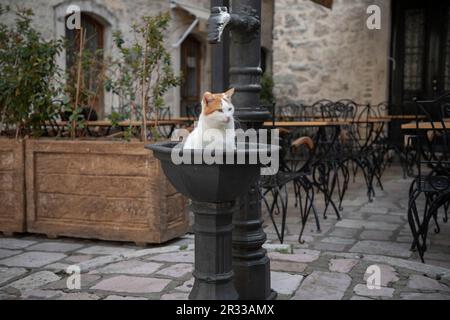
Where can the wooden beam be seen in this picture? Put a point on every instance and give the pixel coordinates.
(325, 3)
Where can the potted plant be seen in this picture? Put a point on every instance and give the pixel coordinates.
(110, 189)
(27, 87)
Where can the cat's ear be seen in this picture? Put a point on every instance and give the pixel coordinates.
(208, 97)
(229, 93)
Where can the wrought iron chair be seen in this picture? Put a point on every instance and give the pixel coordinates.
(164, 114)
(193, 111)
(290, 112)
(375, 147)
(383, 144)
(296, 156)
(433, 172)
(331, 174)
(403, 153)
(364, 155)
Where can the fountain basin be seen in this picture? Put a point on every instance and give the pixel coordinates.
(212, 183)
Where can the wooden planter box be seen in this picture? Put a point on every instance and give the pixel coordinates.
(12, 186)
(100, 189)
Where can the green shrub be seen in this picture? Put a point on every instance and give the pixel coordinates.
(267, 84)
(144, 73)
(28, 75)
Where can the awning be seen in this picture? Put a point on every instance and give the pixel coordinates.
(199, 13)
(196, 11)
(325, 3)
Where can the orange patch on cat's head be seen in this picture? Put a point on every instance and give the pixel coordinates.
(213, 102)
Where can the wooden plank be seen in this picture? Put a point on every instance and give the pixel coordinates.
(426, 126)
(293, 124)
(407, 117)
(12, 186)
(290, 117)
(92, 209)
(371, 120)
(103, 190)
(10, 207)
(101, 186)
(176, 220)
(93, 164)
(7, 159)
(398, 117)
(7, 181)
(374, 120)
(97, 146)
(107, 123)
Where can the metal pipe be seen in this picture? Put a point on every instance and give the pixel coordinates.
(250, 262)
(220, 63)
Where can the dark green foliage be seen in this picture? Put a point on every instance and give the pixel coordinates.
(267, 84)
(144, 72)
(28, 75)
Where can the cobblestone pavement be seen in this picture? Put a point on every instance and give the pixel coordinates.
(331, 264)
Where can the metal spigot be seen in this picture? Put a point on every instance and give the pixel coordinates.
(217, 23)
(220, 19)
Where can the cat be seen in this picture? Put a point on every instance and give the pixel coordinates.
(215, 128)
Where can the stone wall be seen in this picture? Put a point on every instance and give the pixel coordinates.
(267, 31)
(330, 54)
(120, 15)
(121, 11)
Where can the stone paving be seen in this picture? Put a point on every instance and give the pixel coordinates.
(331, 264)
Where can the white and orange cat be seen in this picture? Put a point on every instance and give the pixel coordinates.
(215, 128)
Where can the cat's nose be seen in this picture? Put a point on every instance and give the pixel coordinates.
(228, 119)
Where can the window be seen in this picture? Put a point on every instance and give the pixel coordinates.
(414, 52)
(191, 70)
(92, 80)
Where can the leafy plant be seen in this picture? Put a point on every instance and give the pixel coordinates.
(267, 84)
(144, 73)
(28, 72)
(116, 118)
(85, 77)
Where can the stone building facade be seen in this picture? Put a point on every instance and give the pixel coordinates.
(312, 52)
(120, 14)
(330, 54)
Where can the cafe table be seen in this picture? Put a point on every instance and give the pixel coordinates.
(324, 123)
(107, 124)
(300, 124)
(426, 125)
(399, 117)
(133, 123)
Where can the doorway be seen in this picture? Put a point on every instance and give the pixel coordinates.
(92, 81)
(191, 70)
(421, 51)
